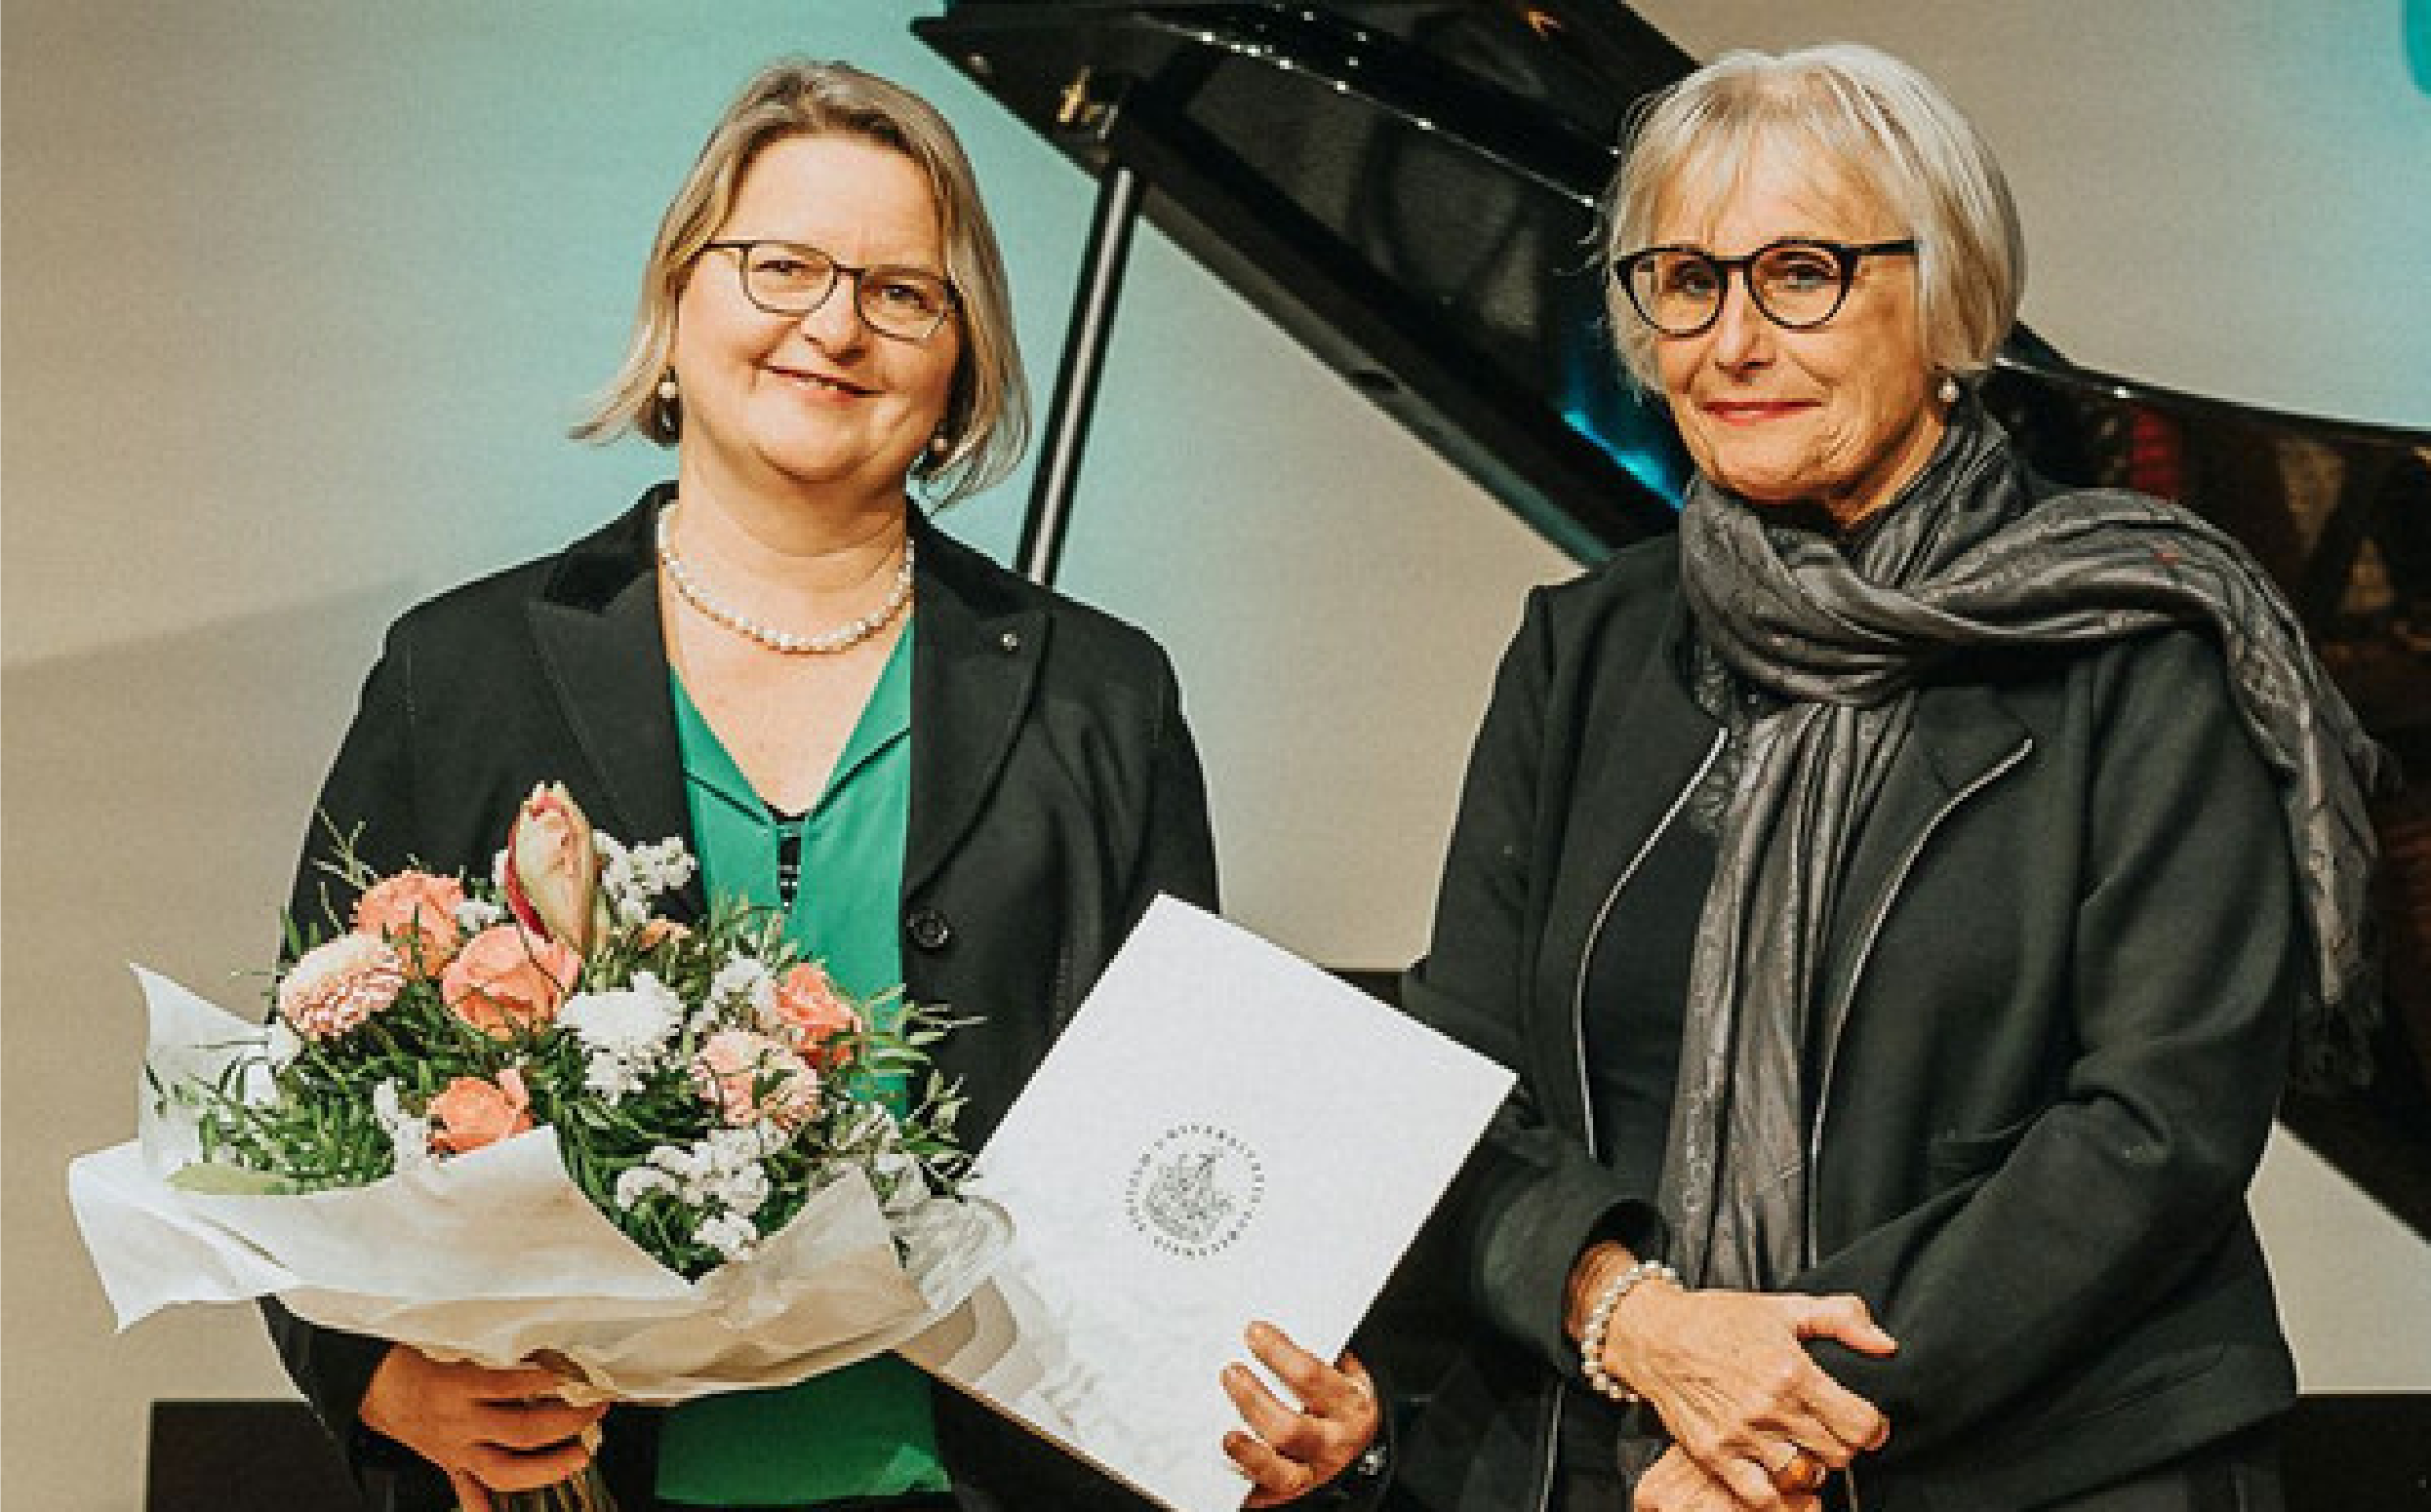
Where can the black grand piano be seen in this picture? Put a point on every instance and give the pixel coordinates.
(1409, 189)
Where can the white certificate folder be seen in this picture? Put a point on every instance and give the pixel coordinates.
(1224, 1133)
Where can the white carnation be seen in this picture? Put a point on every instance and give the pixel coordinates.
(633, 1022)
(628, 1030)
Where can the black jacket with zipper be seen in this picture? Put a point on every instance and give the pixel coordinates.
(1054, 790)
(2055, 1029)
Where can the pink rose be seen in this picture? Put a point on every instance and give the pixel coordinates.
(473, 1112)
(339, 984)
(416, 912)
(505, 979)
(810, 1011)
(552, 870)
(750, 1077)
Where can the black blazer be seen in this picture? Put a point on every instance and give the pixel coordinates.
(2054, 1027)
(1055, 791)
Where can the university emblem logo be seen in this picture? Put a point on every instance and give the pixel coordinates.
(1194, 1189)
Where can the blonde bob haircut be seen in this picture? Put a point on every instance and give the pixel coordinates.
(987, 421)
(1842, 110)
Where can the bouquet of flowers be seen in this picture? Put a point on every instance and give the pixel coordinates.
(528, 1118)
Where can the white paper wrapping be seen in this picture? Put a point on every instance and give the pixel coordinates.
(1223, 1133)
(496, 1257)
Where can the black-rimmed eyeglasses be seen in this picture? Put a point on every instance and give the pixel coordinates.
(790, 278)
(1798, 282)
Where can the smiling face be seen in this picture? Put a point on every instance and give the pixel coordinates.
(818, 405)
(1838, 417)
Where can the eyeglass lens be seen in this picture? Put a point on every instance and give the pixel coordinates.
(787, 278)
(1680, 291)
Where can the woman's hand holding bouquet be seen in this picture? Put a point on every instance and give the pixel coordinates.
(471, 1051)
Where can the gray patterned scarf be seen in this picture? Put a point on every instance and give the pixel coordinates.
(1965, 559)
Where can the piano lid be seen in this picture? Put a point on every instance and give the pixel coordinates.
(1309, 156)
(1409, 188)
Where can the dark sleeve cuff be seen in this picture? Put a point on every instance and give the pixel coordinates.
(1530, 1259)
(333, 1370)
(1361, 1484)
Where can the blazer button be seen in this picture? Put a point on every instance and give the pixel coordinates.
(928, 928)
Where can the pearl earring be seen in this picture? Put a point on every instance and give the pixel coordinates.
(1948, 392)
(668, 391)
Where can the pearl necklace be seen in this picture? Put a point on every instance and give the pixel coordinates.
(826, 642)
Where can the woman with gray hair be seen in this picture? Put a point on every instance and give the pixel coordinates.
(935, 772)
(1898, 894)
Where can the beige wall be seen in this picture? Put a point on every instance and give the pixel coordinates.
(302, 297)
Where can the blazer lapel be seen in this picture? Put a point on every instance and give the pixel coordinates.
(1961, 734)
(600, 643)
(1641, 742)
(1639, 754)
(975, 662)
(1964, 736)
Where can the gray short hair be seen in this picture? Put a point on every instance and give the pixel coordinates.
(987, 423)
(1872, 118)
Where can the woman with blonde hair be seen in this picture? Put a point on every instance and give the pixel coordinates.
(939, 774)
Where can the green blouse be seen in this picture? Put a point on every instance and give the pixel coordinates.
(866, 1430)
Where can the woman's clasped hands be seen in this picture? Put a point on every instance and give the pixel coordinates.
(1755, 1423)
(490, 1430)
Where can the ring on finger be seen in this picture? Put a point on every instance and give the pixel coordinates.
(1800, 1473)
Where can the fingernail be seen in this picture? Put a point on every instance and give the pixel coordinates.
(1260, 1332)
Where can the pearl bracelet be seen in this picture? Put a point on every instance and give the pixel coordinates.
(1600, 1319)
